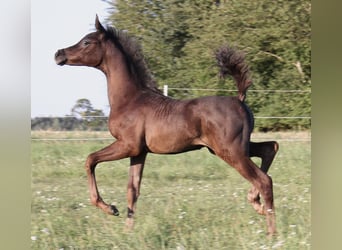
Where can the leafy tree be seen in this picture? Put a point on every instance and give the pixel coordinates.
(82, 108)
(93, 118)
(179, 38)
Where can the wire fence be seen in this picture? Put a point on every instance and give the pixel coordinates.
(166, 88)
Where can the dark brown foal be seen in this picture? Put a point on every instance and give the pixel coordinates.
(143, 121)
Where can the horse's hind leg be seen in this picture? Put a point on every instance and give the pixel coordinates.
(266, 151)
(133, 187)
(246, 167)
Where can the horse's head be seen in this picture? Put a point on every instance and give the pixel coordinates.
(87, 52)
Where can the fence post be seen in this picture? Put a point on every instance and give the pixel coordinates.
(165, 90)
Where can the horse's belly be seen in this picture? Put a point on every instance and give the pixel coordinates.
(170, 142)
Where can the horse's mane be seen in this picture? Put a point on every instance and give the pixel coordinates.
(135, 60)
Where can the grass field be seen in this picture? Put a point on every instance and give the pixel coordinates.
(188, 201)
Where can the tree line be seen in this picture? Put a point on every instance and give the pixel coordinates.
(179, 38)
(83, 117)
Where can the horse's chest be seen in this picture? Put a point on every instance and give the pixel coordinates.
(122, 127)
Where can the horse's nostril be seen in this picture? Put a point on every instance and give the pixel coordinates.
(59, 52)
(60, 57)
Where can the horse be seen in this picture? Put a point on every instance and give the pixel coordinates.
(142, 120)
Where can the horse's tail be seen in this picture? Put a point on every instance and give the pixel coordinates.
(231, 62)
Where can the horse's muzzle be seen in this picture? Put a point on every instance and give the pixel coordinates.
(60, 57)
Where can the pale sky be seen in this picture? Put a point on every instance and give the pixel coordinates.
(55, 25)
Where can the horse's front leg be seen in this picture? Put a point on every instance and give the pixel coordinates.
(115, 151)
(133, 187)
(266, 151)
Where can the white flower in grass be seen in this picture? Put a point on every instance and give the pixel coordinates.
(45, 230)
(278, 244)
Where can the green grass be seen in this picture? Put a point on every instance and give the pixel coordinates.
(188, 201)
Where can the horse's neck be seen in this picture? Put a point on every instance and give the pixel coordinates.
(121, 88)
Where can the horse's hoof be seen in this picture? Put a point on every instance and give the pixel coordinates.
(114, 210)
(271, 235)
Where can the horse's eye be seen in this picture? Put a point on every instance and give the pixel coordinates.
(86, 42)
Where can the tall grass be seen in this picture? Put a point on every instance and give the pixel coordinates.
(188, 201)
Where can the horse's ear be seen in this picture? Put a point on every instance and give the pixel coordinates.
(98, 25)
